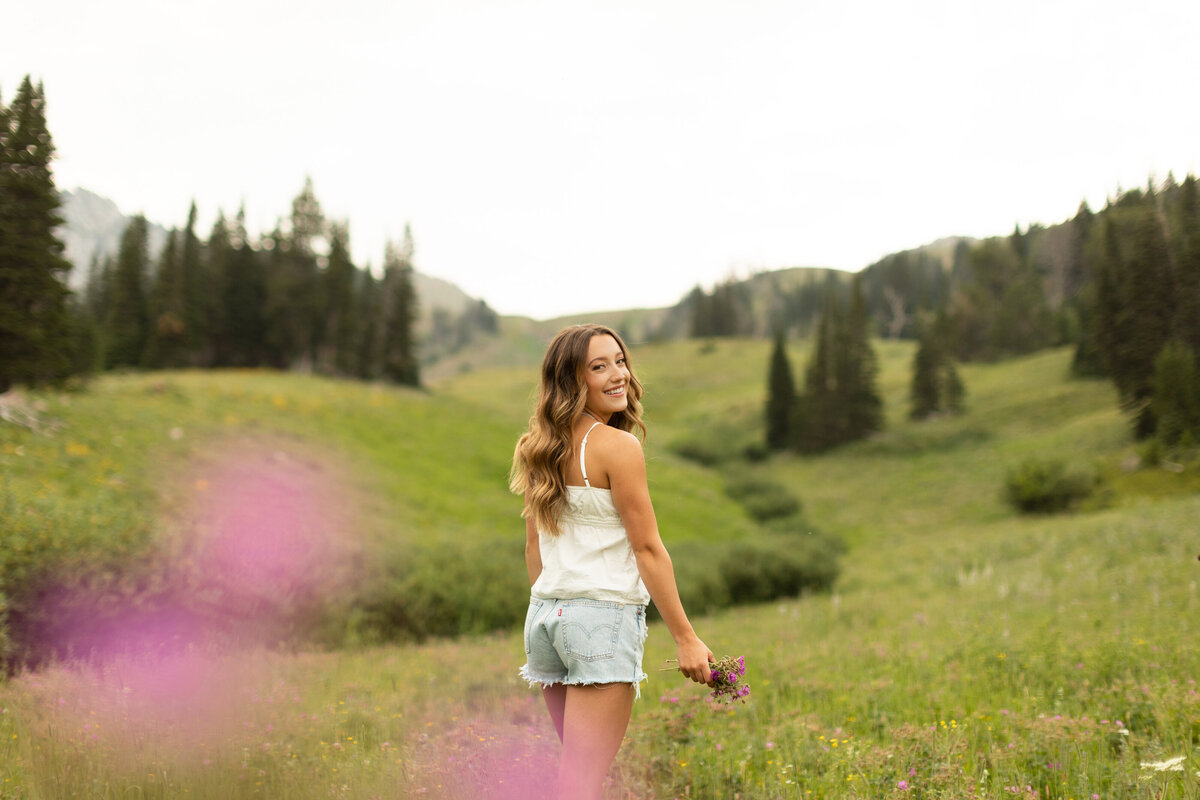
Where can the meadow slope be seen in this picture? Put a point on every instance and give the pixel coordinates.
(965, 651)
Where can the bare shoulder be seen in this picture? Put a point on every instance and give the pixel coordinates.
(615, 439)
(617, 448)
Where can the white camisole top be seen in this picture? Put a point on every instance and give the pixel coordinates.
(591, 556)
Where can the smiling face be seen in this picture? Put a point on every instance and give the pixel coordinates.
(606, 376)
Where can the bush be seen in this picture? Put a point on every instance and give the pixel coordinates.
(774, 566)
(756, 452)
(443, 589)
(763, 499)
(730, 439)
(1047, 485)
(704, 452)
(1176, 401)
(714, 575)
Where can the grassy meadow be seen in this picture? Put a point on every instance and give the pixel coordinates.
(965, 651)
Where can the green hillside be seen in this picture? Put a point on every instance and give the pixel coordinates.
(965, 651)
(103, 499)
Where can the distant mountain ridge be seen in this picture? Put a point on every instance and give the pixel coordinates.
(92, 229)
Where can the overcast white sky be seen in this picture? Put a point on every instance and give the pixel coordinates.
(560, 156)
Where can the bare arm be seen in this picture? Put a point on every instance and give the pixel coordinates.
(533, 551)
(631, 495)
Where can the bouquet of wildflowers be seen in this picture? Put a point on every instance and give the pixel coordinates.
(728, 684)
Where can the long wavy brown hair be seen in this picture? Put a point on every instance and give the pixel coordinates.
(541, 456)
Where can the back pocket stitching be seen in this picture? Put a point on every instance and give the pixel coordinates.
(574, 648)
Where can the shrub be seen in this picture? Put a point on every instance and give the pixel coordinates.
(1047, 486)
(713, 575)
(757, 570)
(763, 499)
(756, 452)
(711, 442)
(445, 588)
(465, 587)
(1176, 401)
(704, 452)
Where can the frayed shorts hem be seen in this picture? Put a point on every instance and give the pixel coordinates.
(540, 682)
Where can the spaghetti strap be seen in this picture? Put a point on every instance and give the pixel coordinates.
(582, 450)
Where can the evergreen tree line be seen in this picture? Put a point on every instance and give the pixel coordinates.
(1139, 308)
(998, 305)
(292, 300)
(35, 324)
(840, 401)
(1122, 285)
(993, 294)
(758, 306)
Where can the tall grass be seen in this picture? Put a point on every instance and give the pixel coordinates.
(965, 651)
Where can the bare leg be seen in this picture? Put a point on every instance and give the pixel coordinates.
(556, 701)
(594, 723)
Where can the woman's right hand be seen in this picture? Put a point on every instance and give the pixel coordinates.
(694, 660)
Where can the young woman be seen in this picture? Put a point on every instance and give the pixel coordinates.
(593, 552)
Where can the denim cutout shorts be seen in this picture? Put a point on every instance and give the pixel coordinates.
(580, 642)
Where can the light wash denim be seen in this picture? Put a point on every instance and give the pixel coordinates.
(580, 642)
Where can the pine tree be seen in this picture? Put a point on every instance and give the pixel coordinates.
(197, 294)
(699, 305)
(863, 408)
(1187, 316)
(960, 265)
(293, 306)
(217, 266)
(816, 426)
(35, 332)
(925, 391)
(1080, 285)
(400, 312)
(94, 306)
(339, 345)
(240, 341)
(936, 386)
(1137, 302)
(369, 313)
(126, 325)
(278, 337)
(954, 391)
(1176, 398)
(84, 337)
(96, 290)
(307, 244)
(167, 346)
(781, 396)
(1001, 310)
(728, 307)
(840, 401)
(1077, 271)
